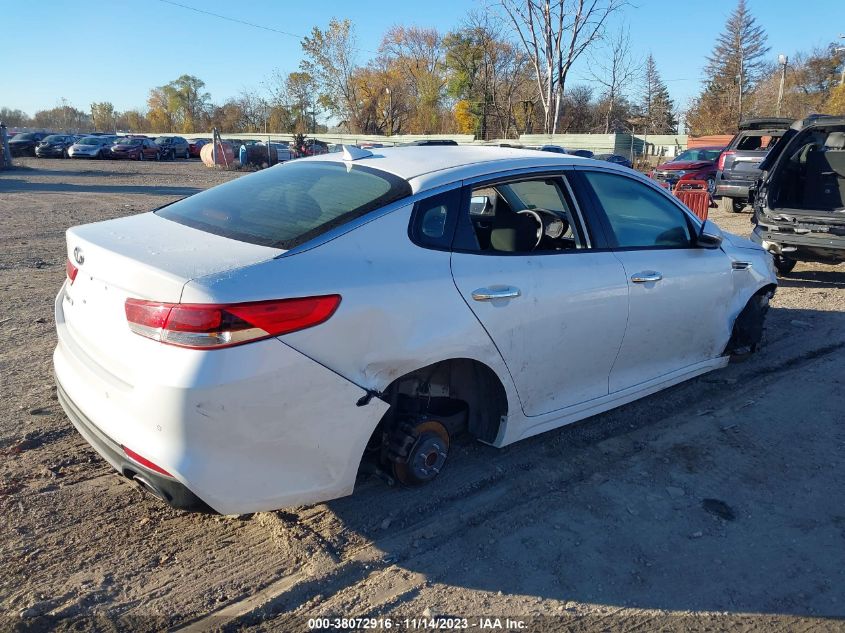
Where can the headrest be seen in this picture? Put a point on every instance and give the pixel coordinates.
(835, 140)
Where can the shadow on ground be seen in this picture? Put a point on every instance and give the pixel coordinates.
(726, 493)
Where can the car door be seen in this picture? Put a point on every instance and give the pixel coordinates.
(679, 292)
(556, 311)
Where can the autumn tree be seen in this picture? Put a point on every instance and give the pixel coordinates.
(734, 66)
(809, 81)
(103, 115)
(330, 58)
(489, 75)
(554, 34)
(62, 117)
(14, 118)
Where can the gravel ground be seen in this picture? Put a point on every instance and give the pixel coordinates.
(717, 504)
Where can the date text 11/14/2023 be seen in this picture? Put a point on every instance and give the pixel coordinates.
(416, 624)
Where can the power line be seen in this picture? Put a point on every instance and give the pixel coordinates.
(245, 23)
(223, 17)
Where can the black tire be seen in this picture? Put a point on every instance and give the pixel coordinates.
(141, 155)
(737, 206)
(711, 186)
(784, 265)
(187, 154)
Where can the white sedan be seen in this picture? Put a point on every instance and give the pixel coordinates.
(245, 348)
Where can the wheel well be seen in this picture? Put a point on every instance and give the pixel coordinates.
(462, 379)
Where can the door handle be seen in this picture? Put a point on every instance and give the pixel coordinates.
(489, 294)
(646, 276)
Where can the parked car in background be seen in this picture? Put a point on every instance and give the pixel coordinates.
(241, 310)
(738, 167)
(432, 142)
(134, 148)
(693, 164)
(172, 147)
(616, 159)
(90, 147)
(583, 153)
(799, 203)
(314, 147)
(556, 149)
(54, 146)
(23, 143)
(195, 145)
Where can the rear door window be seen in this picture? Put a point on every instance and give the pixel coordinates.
(288, 205)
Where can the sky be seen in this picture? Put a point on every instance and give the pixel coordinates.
(116, 50)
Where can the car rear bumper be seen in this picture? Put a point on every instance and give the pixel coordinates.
(821, 247)
(243, 429)
(168, 490)
(732, 189)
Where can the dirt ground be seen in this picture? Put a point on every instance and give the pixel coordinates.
(718, 504)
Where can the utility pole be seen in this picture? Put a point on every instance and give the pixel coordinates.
(389, 111)
(841, 49)
(783, 60)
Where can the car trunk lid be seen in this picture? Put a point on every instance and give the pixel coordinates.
(141, 256)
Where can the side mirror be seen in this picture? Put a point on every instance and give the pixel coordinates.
(710, 235)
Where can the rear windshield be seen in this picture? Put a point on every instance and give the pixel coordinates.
(290, 204)
(761, 141)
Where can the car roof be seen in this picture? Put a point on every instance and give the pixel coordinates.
(435, 166)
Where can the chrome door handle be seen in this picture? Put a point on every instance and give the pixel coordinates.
(646, 276)
(489, 294)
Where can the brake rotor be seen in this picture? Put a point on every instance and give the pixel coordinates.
(427, 457)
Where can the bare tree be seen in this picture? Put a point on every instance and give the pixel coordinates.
(614, 71)
(555, 33)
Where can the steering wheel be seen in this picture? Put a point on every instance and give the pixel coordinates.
(541, 227)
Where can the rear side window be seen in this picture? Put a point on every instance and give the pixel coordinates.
(290, 204)
(639, 216)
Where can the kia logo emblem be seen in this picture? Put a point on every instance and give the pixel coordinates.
(78, 256)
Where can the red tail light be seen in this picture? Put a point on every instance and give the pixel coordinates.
(721, 164)
(71, 271)
(144, 462)
(212, 326)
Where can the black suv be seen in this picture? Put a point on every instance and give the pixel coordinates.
(738, 166)
(173, 147)
(799, 205)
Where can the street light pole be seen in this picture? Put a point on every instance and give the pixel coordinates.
(783, 60)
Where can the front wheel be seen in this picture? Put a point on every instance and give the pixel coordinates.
(737, 205)
(187, 154)
(711, 185)
(784, 265)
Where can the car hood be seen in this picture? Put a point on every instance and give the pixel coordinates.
(685, 165)
(740, 242)
(77, 147)
(123, 148)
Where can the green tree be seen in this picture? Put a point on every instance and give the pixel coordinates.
(330, 58)
(733, 68)
(656, 106)
(103, 116)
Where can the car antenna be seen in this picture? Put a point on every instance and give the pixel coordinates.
(351, 152)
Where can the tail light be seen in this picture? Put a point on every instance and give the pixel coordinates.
(71, 271)
(721, 164)
(213, 326)
(144, 462)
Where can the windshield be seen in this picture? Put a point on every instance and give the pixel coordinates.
(698, 154)
(91, 140)
(128, 141)
(162, 140)
(24, 137)
(54, 138)
(290, 204)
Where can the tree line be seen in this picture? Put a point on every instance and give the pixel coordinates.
(499, 74)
